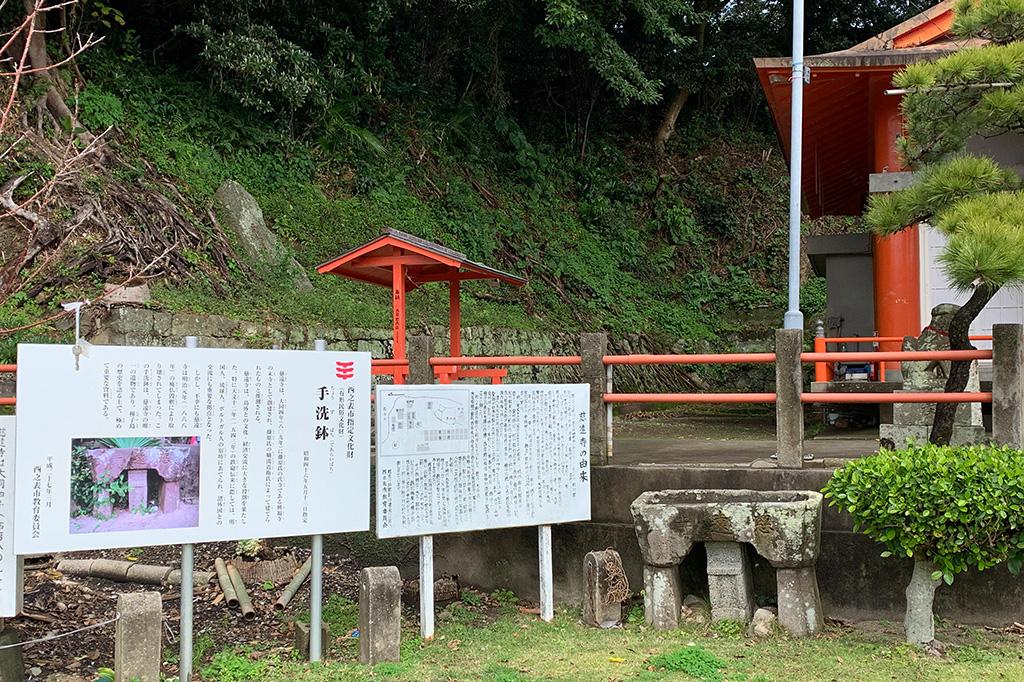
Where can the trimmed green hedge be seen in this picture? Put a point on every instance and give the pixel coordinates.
(959, 507)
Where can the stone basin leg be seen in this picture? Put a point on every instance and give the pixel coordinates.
(799, 602)
(170, 496)
(138, 489)
(730, 584)
(663, 597)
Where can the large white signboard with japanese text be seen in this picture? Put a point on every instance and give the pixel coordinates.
(468, 457)
(10, 581)
(144, 446)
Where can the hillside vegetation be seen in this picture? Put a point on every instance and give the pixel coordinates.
(526, 150)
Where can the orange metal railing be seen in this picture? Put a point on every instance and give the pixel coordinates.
(694, 359)
(823, 370)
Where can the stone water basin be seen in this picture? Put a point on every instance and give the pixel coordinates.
(783, 526)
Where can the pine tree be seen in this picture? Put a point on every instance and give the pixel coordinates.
(976, 203)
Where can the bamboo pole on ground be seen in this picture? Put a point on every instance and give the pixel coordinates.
(230, 596)
(294, 585)
(244, 602)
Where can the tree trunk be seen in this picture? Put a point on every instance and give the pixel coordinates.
(667, 128)
(919, 621)
(959, 370)
(40, 62)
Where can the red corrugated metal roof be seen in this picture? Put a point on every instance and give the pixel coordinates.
(838, 132)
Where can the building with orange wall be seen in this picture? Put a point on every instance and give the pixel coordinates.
(849, 151)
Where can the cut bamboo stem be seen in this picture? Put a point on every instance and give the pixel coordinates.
(230, 596)
(244, 602)
(294, 585)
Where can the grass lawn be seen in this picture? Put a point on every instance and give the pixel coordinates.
(517, 647)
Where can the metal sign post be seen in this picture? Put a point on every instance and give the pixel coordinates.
(187, 591)
(316, 578)
(427, 586)
(547, 592)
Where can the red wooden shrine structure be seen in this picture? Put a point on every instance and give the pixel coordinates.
(405, 262)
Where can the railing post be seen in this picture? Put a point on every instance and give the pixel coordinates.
(420, 371)
(593, 348)
(789, 411)
(1008, 384)
(820, 368)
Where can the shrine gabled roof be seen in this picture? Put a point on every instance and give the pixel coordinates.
(424, 262)
(838, 143)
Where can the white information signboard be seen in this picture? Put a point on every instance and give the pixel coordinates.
(10, 581)
(467, 457)
(144, 446)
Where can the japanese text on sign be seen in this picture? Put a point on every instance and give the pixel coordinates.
(464, 457)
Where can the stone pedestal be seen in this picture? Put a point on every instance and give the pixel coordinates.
(799, 602)
(730, 584)
(380, 614)
(600, 609)
(137, 637)
(170, 496)
(138, 489)
(912, 422)
(663, 597)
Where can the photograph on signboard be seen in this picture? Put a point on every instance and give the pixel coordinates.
(134, 483)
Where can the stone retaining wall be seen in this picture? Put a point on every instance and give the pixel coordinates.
(136, 326)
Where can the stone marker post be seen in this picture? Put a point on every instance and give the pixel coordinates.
(1008, 384)
(12, 667)
(601, 609)
(593, 348)
(137, 637)
(789, 411)
(420, 371)
(380, 614)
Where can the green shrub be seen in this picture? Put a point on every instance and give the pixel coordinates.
(693, 661)
(958, 507)
(231, 666)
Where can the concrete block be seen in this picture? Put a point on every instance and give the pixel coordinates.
(789, 411)
(380, 614)
(663, 596)
(302, 638)
(1008, 384)
(593, 348)
(137, 637)
(730, 584)
(12, 667)
(799, 601)
(601, 572)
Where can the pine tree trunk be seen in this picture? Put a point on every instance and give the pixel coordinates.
(959, 370)
(919, 621)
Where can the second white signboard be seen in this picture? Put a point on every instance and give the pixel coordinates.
(143, 446)
(468, 457)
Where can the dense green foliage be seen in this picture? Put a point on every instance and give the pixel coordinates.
(958, 507)
(519, 133)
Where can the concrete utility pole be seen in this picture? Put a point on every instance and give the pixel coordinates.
(794, 319)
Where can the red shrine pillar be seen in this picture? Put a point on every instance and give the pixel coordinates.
(897, 259)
